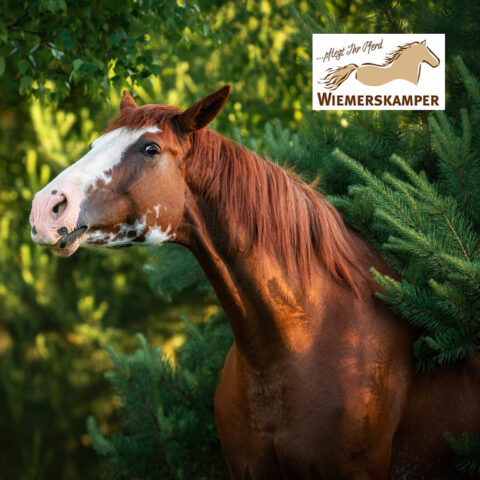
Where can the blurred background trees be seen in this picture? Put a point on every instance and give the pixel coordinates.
(63, 65)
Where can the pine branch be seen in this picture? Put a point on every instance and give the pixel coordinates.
(145, 404)
(389, 17)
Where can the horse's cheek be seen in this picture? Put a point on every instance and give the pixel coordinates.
(163, 196)
(104, 208)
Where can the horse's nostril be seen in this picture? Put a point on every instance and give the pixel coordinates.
(34, 230)
(60, 206)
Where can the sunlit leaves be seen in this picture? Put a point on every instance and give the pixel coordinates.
(54, 45)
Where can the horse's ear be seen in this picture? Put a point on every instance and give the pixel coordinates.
(423, 43)
(203, 112)
(127, 101)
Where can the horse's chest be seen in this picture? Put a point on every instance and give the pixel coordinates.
(278, 431)
(266, 404)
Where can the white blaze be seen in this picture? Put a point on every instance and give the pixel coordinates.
(106, 152)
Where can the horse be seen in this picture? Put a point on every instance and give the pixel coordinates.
(403, 63)
(320, 382)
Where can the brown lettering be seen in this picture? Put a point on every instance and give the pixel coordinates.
(350, 100)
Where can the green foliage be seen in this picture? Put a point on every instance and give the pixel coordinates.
(431, 240)
(53, 45)
(429, 232)
(167, 410)
(467, 451)
(56, 316)
(172, 270)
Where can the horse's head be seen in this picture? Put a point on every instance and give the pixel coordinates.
(130, 187)
(426, 55)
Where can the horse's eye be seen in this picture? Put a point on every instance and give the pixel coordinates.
(152, 150)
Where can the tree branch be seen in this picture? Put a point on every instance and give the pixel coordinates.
(387, 13)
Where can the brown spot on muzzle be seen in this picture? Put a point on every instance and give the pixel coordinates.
(70, 238)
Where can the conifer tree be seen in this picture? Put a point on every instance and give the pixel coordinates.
(418, 206)
(169, 429)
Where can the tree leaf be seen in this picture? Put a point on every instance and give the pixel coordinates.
(22, 66)
(77, 63)
(57, 53)
(26, 82)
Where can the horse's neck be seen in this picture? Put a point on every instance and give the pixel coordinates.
(267, 309)
(273, 310)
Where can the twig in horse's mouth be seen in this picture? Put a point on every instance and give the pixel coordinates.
(71, 237)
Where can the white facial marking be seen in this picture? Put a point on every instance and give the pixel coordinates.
(152, 129)
(154, 236)
(106, 239)
(106, 152)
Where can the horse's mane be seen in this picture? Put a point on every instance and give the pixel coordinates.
(392, 56)
(261, 201)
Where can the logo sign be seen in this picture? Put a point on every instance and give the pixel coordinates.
(378, 72)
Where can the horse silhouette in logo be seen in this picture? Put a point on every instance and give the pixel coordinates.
(403, 63)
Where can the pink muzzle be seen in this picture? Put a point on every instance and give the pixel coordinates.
(55, 212)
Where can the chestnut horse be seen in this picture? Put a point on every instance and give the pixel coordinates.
(320, 382)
